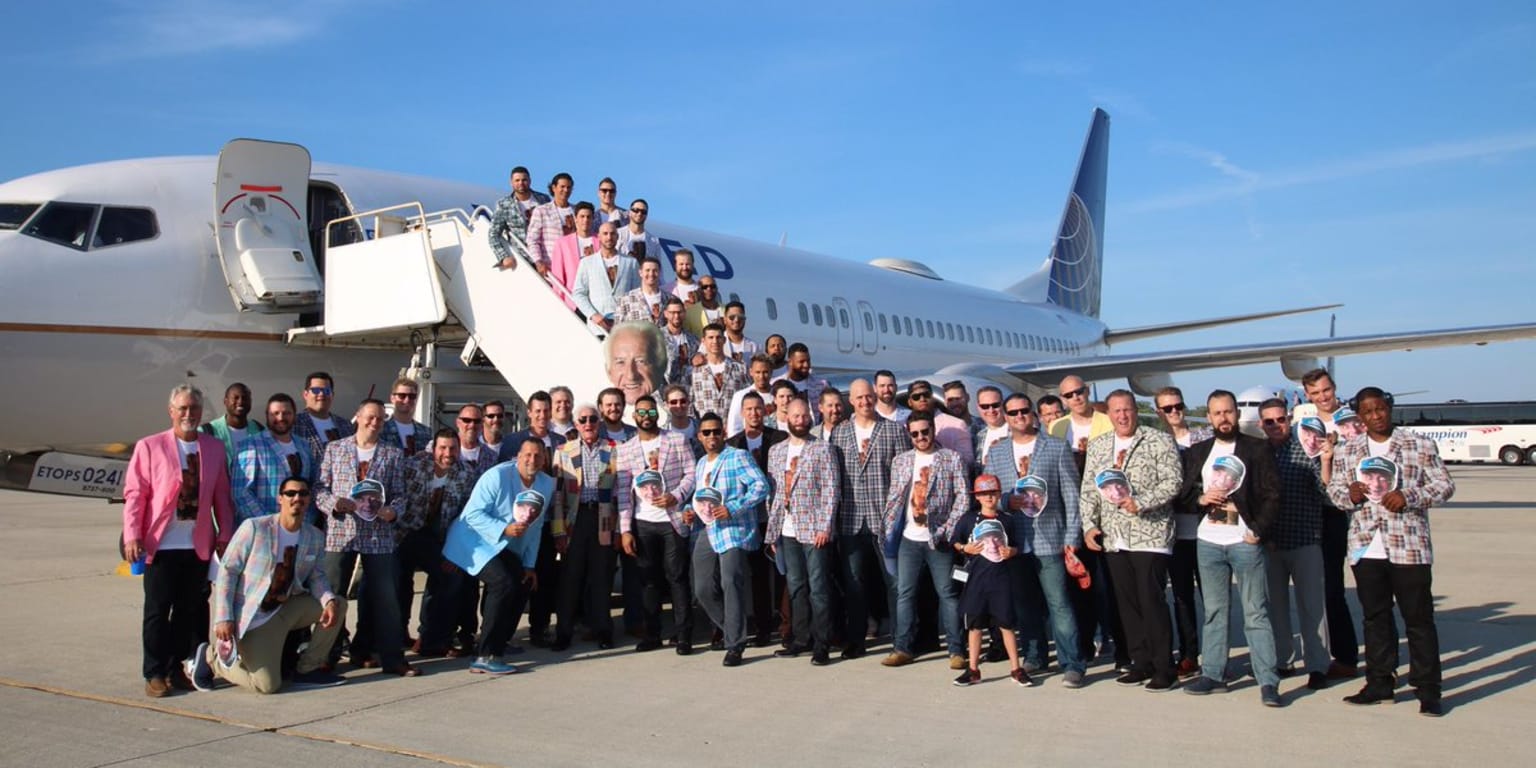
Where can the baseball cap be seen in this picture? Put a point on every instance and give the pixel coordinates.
(1378, 464)
(987, 484)
(1110, 476)
(1312, 423)
(1344, 414)
(1029, 483)
(530, 497)
(708, 494)
(648, 477)
(1230, 464)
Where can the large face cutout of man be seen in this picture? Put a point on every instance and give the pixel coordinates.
(636, 356)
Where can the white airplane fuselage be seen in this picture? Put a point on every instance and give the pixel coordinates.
(93, 340)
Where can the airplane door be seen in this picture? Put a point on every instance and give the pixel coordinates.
(869, 340)
(260, 196)
(847, 330)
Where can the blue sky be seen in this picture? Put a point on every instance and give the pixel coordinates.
(1383, 155)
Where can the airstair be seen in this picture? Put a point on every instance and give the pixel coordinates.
(429, 278)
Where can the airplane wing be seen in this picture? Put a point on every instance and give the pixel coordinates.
(1291, 354)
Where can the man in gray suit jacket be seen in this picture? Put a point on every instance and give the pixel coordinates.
(603, 277)
(1044, 513)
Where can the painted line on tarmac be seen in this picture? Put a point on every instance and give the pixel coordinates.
(254, 728)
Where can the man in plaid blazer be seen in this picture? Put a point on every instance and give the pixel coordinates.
(548, 223)
(866, 445)
(317, 425)
(437, 485)
(718, 378)
(643, 304)
(653, 530)
(584, 526)
(272, 581)
(402, 429)
(1042, 533)
(1390, 549)
(370, 536)
(803, 473)
(269, 458)
(929, 492)
(721, 578)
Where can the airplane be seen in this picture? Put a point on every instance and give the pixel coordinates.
(126, 278)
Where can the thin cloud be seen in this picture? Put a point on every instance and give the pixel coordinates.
(1485, 148)
(171, 28)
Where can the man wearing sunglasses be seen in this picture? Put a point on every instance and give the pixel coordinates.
(1082, 423)
(1042, 534)
(995, 429)
(1183, 569)
(679, 416)
(584, 525)
(271, 581)
(928, 494)
(493, 431)
(402, 429)
(608, 208)
(949, 431)
(475, 457)
(654, 531)
(317, 426)
(634, 241)
(707, 310)
(737, 345)
(721, 576)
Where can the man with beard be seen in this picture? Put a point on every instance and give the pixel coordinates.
(798, 373)
(800, 516)
(1184, 568)
(949, 431)
(234, 428)
(830, 404)
(437, 484)
(268, 459)
(509, 224)
(885, 397)
(493, 430)
(602, 278)
(756, 439)
(684, 287)
(651, 520)
(402, 429)
(681, 345)
(728, 499)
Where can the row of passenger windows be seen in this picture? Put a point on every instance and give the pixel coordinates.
(905, 325)
(80, 225)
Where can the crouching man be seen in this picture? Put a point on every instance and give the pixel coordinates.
(271, 582)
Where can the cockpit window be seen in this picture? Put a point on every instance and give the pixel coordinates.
(63, 223)
(124, 225)
(12, 215)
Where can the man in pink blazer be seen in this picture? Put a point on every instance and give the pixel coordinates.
(177, 512)
(570, 249)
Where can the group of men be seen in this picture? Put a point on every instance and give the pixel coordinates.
(776, 509)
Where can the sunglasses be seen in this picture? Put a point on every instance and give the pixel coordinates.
(921, 433)
(735, 317)
(1016, 411)
(320, 391)
(677, 402)
(708, 432)
(706, 286)
(587, 420)
(646, 412)
(638, 211)
(607, 190)
(1079, 392)
(404, 395)
(1171, 408)
(988, 406)
(494, 416)
(1275, 421)
(467, 420)
(919, 395)
(294, 494)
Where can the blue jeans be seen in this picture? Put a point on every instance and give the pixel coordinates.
(910, 561)
(809, 573)
(856, 554)
(378, 612)
(1047, 576)
(1218, 565)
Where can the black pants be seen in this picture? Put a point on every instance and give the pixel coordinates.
(766, 588)
(1342, 641)
(1139, 578)
(588, 579)
(1097, 608)
(543, 601)
(505, 595)
(1378, 584)
(423, 551)
(175, 609)
(662, 556)
(1184, 574)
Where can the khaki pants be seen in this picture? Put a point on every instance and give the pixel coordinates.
(260, 668)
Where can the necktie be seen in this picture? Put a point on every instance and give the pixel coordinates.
(186, 499)
(1023, 466)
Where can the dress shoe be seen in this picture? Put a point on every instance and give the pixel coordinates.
(538, 639)
(179, 680)
(433, 653)
(368, 663)
(457, 652)
(404, 670)
(1187, 668)
(732, 658)
(790, 652)
(1369, 695)
(1316, 681)
(853, 652)
(1337, 671)
(820, 657)
(717, 645)
(560, 644)
(1133, 678)
(1161, 684)
(605, 644)
(648, 644)
(896, 659)
(1284, 672)
(762, 640)
(157, 688)
(1431, 708)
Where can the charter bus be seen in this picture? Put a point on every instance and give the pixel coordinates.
(1477, 432)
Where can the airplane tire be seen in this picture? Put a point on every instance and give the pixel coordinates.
(1530, 455)
(1511, 455)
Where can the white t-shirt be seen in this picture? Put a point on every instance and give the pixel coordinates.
(406, 431)
(284, 450)
(792, 453)
(323, 426)
(178, 535)
(992, 435)
(1076, 432)
(566, 212)
(469, 455)
(645, 510)
(863, 433)
(366, 454)
(686, 430)
(285, 539)
(1121, 444)
(1185, 440)
(437, 481)
(1377, 549)
(684, 290)
(1220, 534)
(916, 531)
(897, 414)
(237, 438)
(1022, 450)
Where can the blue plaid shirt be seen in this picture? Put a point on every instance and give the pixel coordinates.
(259, 472)
(1301, 497)
(736, 476)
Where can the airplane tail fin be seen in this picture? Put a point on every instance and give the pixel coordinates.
(1076, 257)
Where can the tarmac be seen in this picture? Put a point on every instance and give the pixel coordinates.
(71, 694)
